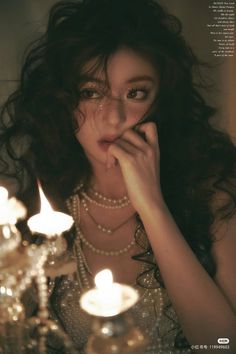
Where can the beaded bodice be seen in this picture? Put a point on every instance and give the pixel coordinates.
(161, 329)
(153, 313)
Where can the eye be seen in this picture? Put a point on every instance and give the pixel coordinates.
(138, 94)
(89, 94)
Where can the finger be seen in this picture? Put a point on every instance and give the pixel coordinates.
(128, 147)
(124, 148)
(135, 138)
(111, 161)
(117, 153)
(150, 131)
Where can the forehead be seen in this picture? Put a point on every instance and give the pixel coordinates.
(123, 66)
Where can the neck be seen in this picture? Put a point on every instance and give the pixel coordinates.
(104, 180)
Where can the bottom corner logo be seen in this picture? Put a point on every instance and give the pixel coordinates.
(223, 340)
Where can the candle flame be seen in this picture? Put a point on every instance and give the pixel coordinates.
(3, 195)
(45, 205)
(104, 279)
(49, 222)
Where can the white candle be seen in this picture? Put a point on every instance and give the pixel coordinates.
(3, 195)
(4, 209)
(11, 209)
(108, 298)
(109, 294)
(49, 222)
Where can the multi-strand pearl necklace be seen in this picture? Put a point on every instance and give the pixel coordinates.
(100, 227)
(103, 252)
(75, 212)
(100, 196)
(111, 203)
(146, 297)
(83, 268)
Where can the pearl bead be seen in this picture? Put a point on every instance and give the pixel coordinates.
(116, 206)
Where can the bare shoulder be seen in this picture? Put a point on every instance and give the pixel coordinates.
(224, 251)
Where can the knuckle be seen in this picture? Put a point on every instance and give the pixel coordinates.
(125, 134)
(153, 126)
(139, 154)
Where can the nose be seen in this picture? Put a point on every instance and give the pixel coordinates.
(114, 112)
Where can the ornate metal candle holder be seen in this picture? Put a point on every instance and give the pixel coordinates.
(113, 329)
(115, 335)
(19, 265)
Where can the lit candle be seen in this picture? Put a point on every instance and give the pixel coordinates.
(11, 209)
(49, 222)
(109, 294)
(4, 210)
(3, 195)
(108, 298)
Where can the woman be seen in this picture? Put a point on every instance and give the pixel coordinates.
(109, 119)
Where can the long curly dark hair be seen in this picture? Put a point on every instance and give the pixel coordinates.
(197, 161)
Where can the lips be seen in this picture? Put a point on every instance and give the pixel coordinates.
(106, 141)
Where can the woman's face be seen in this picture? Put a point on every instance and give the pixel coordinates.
(113, 102)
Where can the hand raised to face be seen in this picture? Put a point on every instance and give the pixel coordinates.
(138, 157)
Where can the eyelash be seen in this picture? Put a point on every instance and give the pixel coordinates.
(85, 92)
(144, 91)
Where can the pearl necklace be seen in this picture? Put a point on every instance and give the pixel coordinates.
(106, 206)
(75, 212)
(100, 227)
(146, 297)
(103, 252)
(110, 200)
(84, 270)
(114, 203)
(82, 266)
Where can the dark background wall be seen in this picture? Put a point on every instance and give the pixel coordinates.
(23, 20)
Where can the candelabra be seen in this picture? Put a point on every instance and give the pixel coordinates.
(20, 265)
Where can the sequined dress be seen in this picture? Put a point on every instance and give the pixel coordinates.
(160, 326)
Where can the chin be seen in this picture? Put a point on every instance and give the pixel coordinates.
(96, 158)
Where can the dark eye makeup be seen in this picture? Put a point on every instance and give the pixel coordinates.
(134, 93)
(90, 93)
(138, 93)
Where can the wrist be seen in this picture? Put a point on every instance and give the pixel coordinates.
(154, 216)
(154, 205)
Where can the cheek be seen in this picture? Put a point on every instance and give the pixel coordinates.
(137, 112)
(81, 116)
(86, 131)
(87, 109)
(86, 115)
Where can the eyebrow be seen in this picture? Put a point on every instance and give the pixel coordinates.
(87, 78)
(140, 78)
